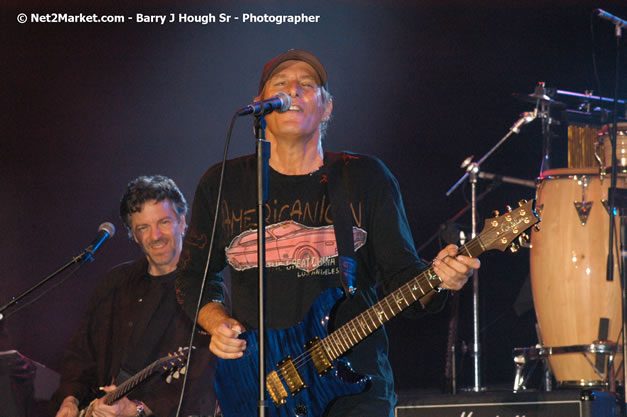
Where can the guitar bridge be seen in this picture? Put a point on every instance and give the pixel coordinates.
(276, 389)
(292, 378)
(319, 356)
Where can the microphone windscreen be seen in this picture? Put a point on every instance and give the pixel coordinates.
(107, 227)
(286, 101)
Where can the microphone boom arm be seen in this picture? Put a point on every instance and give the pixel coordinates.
(105, 231)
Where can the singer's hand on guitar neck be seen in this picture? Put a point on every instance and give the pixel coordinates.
(453, 269)
(224, 331)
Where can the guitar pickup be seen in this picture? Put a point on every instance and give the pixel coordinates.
(291, 376)
(276, 389)
(319, 356)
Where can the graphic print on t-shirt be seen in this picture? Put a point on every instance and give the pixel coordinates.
(289, 243)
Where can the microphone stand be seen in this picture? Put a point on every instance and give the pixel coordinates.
(472, 173)
(84, 256)
(612, 130)
(263, 169)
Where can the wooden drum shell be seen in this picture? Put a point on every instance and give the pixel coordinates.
(568, 270)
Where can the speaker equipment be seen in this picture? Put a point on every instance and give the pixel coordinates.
(567, 403)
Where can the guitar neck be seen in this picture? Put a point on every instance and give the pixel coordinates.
(353, 332)
(128, 385)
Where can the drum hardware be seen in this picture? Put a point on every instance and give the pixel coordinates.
(544, 102)
(586, 98)
(604, 328)
(504, 178)
(603, 366)
(583, 207)
(540, 96)
(604, 145)
(618, 25)
(583, 210)
(472, 173)
(598, 147)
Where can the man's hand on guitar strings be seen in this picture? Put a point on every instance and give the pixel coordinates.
(453, 269)
(225, 343)
(224, 331)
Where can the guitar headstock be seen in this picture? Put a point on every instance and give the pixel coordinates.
(499, 232)
(174, 365)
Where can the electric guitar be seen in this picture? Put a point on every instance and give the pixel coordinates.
(306, 367)
(173, 365)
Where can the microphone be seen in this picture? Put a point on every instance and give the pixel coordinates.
(105, 231)
(281, 103)
(610, 17)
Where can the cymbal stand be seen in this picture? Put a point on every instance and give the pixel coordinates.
(543, 103)
(546, 137)
(472, 173)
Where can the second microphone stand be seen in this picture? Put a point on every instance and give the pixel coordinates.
(472, 173)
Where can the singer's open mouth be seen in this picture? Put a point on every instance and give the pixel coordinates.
(296, 108)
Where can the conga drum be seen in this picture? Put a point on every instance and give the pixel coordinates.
(575, 304)
(621, 146)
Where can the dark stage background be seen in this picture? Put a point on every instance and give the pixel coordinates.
(422, 85)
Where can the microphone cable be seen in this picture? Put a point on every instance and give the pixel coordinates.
(204, 278)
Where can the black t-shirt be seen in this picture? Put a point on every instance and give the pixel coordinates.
(301, 252)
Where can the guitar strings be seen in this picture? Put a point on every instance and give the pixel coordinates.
(351, 326)
(334, 340)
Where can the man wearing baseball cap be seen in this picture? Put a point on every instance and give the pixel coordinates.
(301, 254)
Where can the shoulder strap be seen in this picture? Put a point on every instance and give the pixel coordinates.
(342, 221)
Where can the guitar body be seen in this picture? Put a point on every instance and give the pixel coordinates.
(236, 380)
(290, 364)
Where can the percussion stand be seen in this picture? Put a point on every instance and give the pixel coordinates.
(618, 25)
(472, 173)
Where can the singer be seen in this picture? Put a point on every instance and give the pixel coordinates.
(302, 259)
(133, 318)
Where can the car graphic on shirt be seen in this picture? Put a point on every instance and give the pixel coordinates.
(289, 243)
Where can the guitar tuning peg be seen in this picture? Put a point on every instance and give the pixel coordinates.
(509, 208)
(168, 380)
(514, 248)
(536, 228)
(176, 375)
(495, 213)
(523, 241)
(522, 202)
(183, 370)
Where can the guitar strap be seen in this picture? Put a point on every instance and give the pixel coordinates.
(337, 180)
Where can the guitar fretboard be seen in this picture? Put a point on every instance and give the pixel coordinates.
(353, 332)
(128, 385)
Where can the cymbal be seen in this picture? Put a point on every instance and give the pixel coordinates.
(533, 98)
